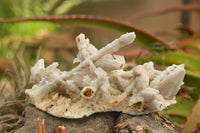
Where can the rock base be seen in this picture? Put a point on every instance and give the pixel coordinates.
(107, 122)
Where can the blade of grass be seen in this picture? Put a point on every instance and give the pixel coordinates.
(24, 69)
(2, 88)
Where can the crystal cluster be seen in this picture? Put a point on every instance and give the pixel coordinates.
(100, 84)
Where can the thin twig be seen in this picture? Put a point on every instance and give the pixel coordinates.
(7, 103)
(2, 88)
(61, 129)
(41, 128)
(39, 125)
(189, 7)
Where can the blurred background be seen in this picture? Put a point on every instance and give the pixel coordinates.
(174, 22)
(166, 25)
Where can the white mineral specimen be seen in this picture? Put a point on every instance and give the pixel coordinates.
(99, 83)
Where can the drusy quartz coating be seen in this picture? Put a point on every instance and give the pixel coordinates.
(100, 84)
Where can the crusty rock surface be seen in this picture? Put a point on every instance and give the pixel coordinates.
(96, 123)
(149, 123)
(104, 122)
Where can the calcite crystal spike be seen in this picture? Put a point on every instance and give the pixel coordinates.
(100, 84)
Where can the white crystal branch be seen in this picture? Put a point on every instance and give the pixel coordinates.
(110, 48)
(100, 84)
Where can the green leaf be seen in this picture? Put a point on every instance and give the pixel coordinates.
(192, 63)
(193, 119)
(182, 108)
(28, 29)
(179, 112)
(191, 44)
(143, 38)
(192, 79)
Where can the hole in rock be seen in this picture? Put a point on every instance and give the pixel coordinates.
(88, 92)
(49, 106)
(137, 105)
(60, 89)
